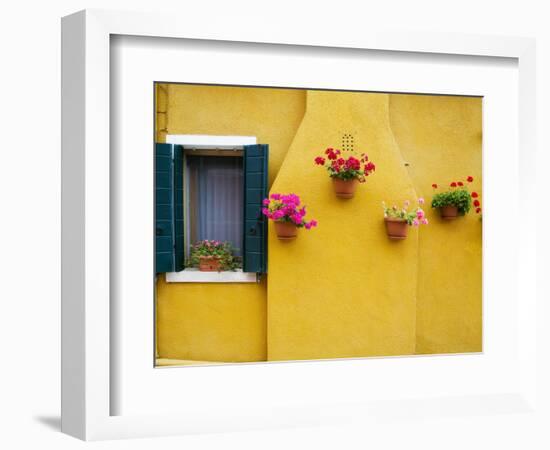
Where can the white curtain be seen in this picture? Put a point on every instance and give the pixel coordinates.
(216, 199)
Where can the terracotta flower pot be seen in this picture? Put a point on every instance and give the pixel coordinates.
(209, 264)
(286, 231)
(397, 229)
(449, 212)
(344, 188)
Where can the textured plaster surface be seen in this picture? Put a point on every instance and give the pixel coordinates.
(342, 289)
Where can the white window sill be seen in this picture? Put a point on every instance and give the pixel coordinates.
(196, 276)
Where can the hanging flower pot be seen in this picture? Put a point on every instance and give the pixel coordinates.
(209, 264)
(286, 231)
(287, 215)
(398, 220)
(449, 212)
(345, 173)
(456, 200)
(344, 188)
(396, 228)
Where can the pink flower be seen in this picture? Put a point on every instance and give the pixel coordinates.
(279, 214)
(276, 196)
(265, 201)
(424, 221)
(420, 214)
(421, 201)
(265, 212)
(319, 160)
(310, 224)
(415, 222)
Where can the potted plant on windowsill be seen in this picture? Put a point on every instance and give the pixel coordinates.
(212, 256)
(287, 214)
(347, 173)
(398, 220)
(456, 200)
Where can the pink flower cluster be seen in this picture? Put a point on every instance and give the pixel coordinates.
(286, 208)
(420, 215)
(347, 169)
(414, 217)
(208, 243)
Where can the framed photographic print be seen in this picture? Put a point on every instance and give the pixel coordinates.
(262, 230)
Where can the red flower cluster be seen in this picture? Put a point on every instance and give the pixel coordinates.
(346, 169)
(331, 153)
(456, 183)
(477, 203)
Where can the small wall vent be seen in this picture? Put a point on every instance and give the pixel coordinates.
(348, 142)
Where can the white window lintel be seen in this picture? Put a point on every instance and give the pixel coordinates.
(207, 141)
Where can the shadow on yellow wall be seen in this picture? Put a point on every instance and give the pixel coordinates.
(342, 289)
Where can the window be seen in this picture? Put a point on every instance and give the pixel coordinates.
(207, 193)
(214, 200)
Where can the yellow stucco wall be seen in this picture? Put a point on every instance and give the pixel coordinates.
(211, 322)
(342, 289)
(441, 137)
(221, 322)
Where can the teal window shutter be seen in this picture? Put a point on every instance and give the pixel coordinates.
(168, 208)
(255, 163)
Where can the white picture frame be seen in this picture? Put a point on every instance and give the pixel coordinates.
(87, 386)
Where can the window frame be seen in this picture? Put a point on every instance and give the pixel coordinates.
(191, 142)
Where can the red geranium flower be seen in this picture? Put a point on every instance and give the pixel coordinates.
(460, 183)
(474, 195)
(320, 160)
(369, 167)
(453, 184)
(434, 186)
(476, 203)
(478, 210)
(470, 179)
